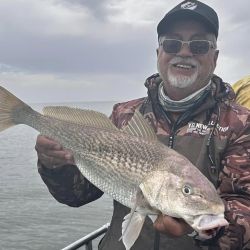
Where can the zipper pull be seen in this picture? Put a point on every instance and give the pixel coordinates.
(171, 141)
(213, 169)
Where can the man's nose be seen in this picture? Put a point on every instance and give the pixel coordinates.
(185, 51)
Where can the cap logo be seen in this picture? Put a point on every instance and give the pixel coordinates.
(189, 5)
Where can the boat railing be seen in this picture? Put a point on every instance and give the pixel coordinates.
(87, 240)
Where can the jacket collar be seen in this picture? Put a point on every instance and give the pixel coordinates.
(220, 92)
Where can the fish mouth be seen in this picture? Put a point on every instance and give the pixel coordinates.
(208, 225)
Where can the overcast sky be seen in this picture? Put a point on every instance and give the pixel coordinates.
(94, 50)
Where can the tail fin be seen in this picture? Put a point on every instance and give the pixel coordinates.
(10, 106)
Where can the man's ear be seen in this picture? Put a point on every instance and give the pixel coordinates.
(157, 51)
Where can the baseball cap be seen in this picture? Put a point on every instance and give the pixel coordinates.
(194, 9)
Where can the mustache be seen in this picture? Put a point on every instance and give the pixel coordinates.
(185, 60)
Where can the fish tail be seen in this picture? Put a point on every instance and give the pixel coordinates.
(12, 110)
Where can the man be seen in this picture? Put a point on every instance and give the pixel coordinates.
(192, 111)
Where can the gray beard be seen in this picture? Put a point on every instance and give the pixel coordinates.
(180, 81)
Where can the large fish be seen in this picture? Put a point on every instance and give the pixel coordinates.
(130, 165)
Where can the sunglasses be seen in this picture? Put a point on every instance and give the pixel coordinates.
(197, 47)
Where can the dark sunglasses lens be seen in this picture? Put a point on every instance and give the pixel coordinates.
(171, 46)
(199, 47)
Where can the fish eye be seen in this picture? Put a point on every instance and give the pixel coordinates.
(187, 190)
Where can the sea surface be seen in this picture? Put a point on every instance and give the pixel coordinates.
(30, 218)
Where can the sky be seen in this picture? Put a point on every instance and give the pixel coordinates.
(100, 50)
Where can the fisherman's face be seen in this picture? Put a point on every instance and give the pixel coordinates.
(185, 70)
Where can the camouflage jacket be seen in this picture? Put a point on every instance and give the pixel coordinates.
(214, 135)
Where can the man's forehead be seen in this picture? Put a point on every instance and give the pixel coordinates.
(187, 25)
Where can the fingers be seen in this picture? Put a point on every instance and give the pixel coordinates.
(45, 143)
(54, 159)
(51, 153)
(172, 226)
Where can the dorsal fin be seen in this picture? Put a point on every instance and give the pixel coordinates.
(79, 116)
(138, 126)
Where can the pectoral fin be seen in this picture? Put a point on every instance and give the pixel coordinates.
(131, 228)
(133, 222)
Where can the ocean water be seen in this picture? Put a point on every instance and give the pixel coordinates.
(30, 218)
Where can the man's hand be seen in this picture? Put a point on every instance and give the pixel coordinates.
(172, 226)
(51, 154)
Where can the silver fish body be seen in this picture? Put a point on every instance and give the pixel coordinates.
(130, 165)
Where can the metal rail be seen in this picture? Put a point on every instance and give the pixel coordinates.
(87, 240)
